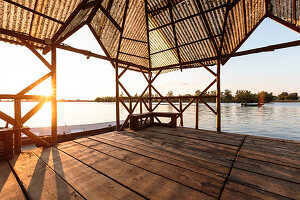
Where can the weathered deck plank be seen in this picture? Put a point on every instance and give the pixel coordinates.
(39, 180)
(9, 187)
(185, 149)
(144, 182)
(144, 148)
(85, 180)
(208, 184)
(266, 183)
(158, 163)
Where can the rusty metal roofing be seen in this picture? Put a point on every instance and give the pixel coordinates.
(156, 34)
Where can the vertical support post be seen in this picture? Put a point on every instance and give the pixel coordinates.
(218, 98)
(197, 114)
(150, 96)
(141, 109)
(18, 124)
(117, 98)
(181, 114)
(53, 97)
(117, 69)
(150, 65)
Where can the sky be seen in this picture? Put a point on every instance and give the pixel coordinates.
(82, 78)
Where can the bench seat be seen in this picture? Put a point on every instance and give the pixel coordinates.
(136, 120)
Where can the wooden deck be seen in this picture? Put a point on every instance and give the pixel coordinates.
(157, 163)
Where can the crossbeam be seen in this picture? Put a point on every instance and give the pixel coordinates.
(241, 53)
(33, 11)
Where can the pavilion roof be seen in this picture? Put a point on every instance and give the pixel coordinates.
(173, 33)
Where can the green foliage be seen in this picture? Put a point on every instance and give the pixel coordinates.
(283, 96)
(227, 96)
(242, 96)
(170, 94)
(105, 99)
(293, 96)
(286, 96)
(245, 96)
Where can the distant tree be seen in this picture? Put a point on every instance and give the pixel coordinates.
(293, 96)
(98, 99)
(283, 96)
(227, 96)
(170, 94)
(245, 96)
(197, 93)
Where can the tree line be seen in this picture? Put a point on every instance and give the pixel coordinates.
(241, 96)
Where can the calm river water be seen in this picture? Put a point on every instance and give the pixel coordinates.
(279, 120)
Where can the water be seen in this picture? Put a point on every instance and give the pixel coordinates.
(278, 120)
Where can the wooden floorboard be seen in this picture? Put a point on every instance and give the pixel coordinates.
(39, 180)
(157, 163)
(186, 150)
(88, 182)
(142, 181)
(193, 164)
(210, 184)
(9, 187)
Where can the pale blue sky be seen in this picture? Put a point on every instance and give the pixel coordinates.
(78, 77)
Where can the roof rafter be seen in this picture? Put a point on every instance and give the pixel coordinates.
(189, 17)
(174, 32)
(33, 11)
(69, 20)
(207, 26)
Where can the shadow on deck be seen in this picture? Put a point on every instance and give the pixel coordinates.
(157, 163)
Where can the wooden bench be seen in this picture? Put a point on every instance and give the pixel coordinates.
(6, 135)
(137, 123)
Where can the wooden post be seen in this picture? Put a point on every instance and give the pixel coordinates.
(197, 114)
(181, 114)
(18, 124)
(117, 68)
(53, 97)
(218, 98)
(117, 99)
(150, 96)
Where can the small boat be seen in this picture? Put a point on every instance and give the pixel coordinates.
(252, 104)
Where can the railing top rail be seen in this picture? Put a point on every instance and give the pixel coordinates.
(14, 96)
(174, 97)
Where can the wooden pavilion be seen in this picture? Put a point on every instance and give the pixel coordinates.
(151, 37)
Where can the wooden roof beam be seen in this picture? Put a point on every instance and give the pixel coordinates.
(224, 28)
(111, 19)
(33, 11)
(91, 54)
(33, 50)
(236, 54)
(174, 33)
(245, 38)
(208, 38)
(125, 38)
(148, 34)
(207, 27)
(189, 17)
(285, 23)
(22, 36)
(69, 20)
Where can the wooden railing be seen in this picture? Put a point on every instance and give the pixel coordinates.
(17, 121)
(134, 102)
